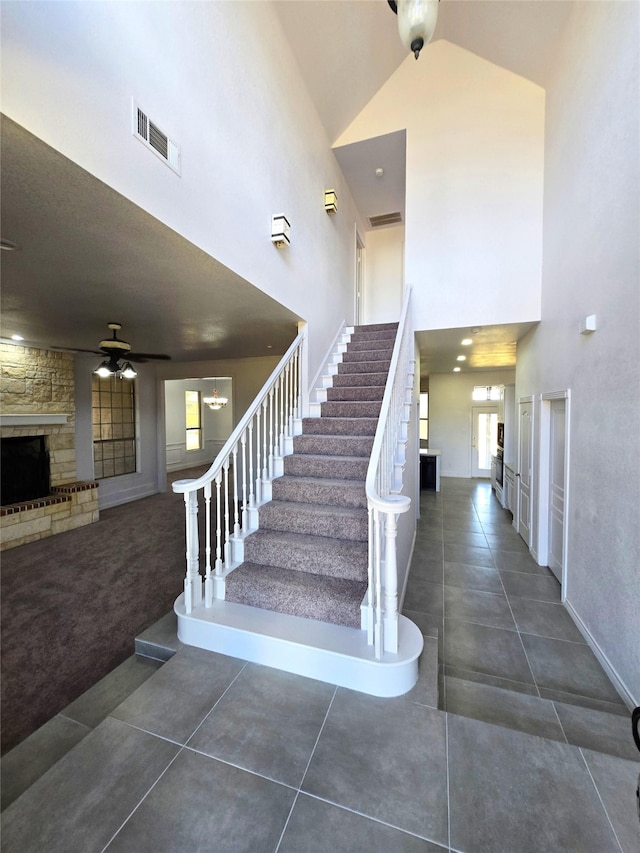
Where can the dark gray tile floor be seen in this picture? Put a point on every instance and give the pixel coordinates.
(205, 752)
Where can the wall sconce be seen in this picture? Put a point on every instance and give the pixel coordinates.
(588, 325)
(330, 202)
(215, 402)
(280, 230)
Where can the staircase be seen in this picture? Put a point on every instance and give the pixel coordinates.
(293, 546)
(309, 557)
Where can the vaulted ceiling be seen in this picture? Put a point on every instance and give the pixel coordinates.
(334, 41)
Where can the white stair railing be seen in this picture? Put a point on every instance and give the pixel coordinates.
(384, 486)
(241, 475)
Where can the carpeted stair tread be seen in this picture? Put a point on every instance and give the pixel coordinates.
(360, 380)
(376, 327)
(297, 593)
(351, 409)
(333, 445)
(314, 490)
(351, 393)
(359, 356)
(315, 519)
(370, 345)
(319, 555)
(331, 425)
(316, 465)
(364, 367)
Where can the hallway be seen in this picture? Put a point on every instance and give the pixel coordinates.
(529, 751)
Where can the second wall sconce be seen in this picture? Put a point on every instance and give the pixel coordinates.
(280, 228)
(330, 202)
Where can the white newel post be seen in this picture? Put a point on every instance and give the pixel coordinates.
(390, 630)
(192, 582)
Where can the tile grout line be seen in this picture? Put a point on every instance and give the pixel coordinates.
(142, 799)
(604, 808)
(299, 790)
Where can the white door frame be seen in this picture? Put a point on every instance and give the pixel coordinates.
(527, 400)
(544, 477)
(359, 271)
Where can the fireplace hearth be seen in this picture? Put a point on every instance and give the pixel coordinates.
(25, 469)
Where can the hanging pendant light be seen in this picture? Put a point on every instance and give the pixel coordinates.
(215, 402)
(417, 21)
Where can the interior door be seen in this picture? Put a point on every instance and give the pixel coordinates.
(557, 487)
(525, 453)
(484, 440)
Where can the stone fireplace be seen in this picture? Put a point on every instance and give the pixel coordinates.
(37, 399)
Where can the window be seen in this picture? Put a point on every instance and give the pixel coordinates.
(114, 427)
(192, 412)
(486, 392)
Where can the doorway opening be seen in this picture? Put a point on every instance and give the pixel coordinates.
(554, 478)
(484, 443)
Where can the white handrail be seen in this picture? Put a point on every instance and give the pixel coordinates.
(242, 473)
(383, 489)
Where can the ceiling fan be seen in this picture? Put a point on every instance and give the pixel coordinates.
(115, 348)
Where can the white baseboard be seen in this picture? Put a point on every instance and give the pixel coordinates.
(624, 693)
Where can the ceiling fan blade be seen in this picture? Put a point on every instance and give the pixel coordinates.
(76, 349)
(146, 356)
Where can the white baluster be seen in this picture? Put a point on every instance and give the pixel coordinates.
(378, 639)
(245, 505)
(236, 515)
(227, 544)
(258, 458)
(271, 448)
(208, 585)
(390, 584)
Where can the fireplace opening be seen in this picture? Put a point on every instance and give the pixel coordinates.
(25, 469)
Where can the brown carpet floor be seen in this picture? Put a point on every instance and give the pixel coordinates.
(73, 604)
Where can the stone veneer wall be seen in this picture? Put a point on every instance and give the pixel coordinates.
(35, 383)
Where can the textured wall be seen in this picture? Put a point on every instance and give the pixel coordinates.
(591, 266)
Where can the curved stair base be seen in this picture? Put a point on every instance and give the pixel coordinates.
(330, 653)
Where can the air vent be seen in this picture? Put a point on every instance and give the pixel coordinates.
(150, 135)
(385, 219)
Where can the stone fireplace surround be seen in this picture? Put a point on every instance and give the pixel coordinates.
(37, 398)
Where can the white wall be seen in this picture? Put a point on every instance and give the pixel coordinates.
(591, 227)
(216, 426)
(450, 415)
(218, 78)
(475, 154)
(384, 291)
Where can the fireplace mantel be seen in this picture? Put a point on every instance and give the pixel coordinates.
(20, 420)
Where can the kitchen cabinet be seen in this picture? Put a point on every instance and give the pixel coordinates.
(509, 488)
(430, 470)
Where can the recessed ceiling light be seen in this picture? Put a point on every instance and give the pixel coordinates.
(461, 358)
(379, 172)
(456, 370)
(17, 338)
(466, 342)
